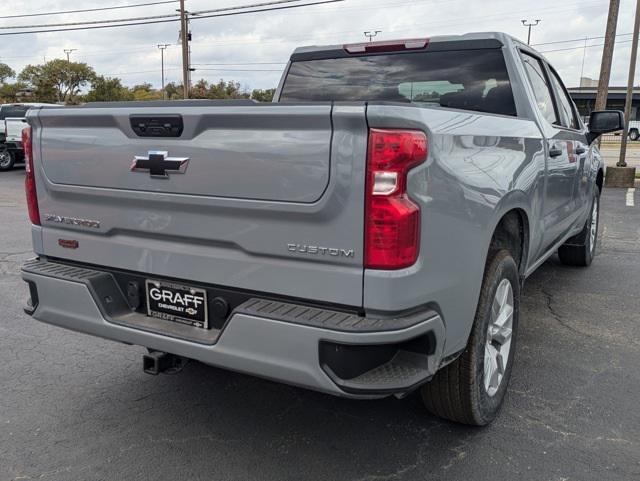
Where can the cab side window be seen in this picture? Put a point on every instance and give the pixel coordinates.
(541, 88)
(568, 116)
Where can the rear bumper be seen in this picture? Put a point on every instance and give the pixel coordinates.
(320, 349)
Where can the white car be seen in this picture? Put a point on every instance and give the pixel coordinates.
(634, 130)
(12, 117)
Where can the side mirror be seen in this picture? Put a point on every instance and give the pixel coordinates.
(604, 121)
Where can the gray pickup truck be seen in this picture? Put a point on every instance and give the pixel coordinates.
(365, 235)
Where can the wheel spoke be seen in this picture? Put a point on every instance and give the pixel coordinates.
(499, 333)
(502, 294)
(494, 379)
(505, 318)
(495, 309)
(500, 363)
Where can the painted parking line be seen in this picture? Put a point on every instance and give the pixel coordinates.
(630, 197)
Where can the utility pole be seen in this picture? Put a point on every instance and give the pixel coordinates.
(162, 47)
(371, 34)
(530, 24)
(632, 73)
(68, 52)
(184, 37)
(607, 55)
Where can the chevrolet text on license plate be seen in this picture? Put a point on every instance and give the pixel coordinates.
(178, 303)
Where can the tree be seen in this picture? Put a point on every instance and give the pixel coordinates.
(173, 91)
(200, 90)
(57, 80)
(9, 91)
(6, 72)
(261, 95)
(227, 90)
(146, 91)
(105, 89)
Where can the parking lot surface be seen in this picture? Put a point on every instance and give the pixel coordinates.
(73, 407)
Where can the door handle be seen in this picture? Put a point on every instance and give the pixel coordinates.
(580, 150)
(555, 151)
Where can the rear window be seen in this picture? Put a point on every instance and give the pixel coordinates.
(463, 79)
(7, 111)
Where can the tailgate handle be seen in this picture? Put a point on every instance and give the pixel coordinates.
(169, 125)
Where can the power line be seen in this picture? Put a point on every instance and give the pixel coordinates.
(242, 63)
(61, 12)
(582, 46)
(238, 70)
(129, 24)
(578, 40)
(148, 17)
(90, 22)
(118, 74)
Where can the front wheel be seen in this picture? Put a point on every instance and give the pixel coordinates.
(7, 160)
(471, 389)
(634, 134)
(580, 249)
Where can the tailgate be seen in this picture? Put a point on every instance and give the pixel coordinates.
(267, 198)
(13, 129)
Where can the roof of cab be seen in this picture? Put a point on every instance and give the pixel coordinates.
(501, 37)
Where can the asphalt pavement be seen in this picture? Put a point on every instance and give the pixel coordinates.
(74, 407)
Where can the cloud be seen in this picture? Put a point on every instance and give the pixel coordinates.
(251, 41)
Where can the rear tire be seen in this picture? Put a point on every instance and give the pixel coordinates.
(7, 160)
(634, 134)
(471, 389)
(580, 249)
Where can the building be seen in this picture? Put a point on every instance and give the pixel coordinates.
(585, 98)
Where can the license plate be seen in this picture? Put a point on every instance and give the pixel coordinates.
(177, 303)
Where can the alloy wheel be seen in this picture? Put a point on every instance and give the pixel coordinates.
(5, 159)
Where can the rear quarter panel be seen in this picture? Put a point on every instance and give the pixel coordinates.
(479, 167)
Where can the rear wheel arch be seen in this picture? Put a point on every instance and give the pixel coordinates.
(600, 179)
(511, 232)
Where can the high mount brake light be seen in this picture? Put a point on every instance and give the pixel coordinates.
(29, 179)
(392, 223)
(387, 46)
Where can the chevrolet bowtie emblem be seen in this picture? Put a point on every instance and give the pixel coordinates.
(159, 164)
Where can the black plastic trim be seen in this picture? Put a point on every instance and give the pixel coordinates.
(32, 303)
(110, 287)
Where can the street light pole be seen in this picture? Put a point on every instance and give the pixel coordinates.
(371, 34)
(584, 56)
(632, 72)
(162, 48)
(530, 24)
(68, 52)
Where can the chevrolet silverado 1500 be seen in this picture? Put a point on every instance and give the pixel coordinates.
(365, 235)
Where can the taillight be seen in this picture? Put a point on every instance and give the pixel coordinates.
(387, 46)
(30, 180)
(392, 237)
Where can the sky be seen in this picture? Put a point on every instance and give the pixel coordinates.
(253, 48)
